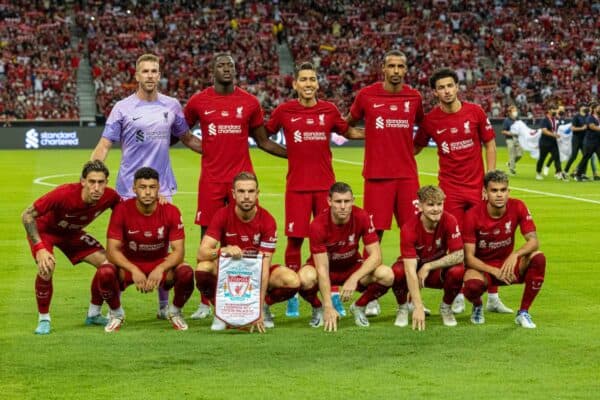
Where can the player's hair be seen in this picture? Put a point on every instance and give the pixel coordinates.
(220, 55)
(245, 176)
(441, 74)
(304, 66)
(339, 187)
(146, 57)
(581, 104)
(512, 107)
(393, 53)
(430, 193)
(145, 173)
(496, 176)
(94, 166)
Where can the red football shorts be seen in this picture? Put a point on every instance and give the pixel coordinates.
(75, 246)
(212, 196)
(459, 201)
(382, 197)
(299, 206)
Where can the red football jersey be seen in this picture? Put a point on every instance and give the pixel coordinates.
(145, 238)
(259, 234)
(307, 133)
(225, 121)
(494, 239)
(458, 137)
(62, 210)
(416, 242)
(340, 242)
(389, 127)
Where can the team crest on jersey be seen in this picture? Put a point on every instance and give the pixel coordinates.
(161, 232)
(407, 106)
(508, 227)
(256, 239)
(351, 238)
(239, 112)
(467, 127)
(322, 119)
(238, 287)
(393, 107)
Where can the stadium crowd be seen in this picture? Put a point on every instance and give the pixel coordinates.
(505, 53)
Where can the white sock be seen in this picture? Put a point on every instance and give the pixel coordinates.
(44, 317)
(460, 296)
(94, 310)
(119, 312)
(174, 310)
(493, 297)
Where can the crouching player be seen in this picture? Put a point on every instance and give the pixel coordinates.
(58, 219)
(140, 233)
(334, 236)
(245, 228)
(431, 256)
(489, 237)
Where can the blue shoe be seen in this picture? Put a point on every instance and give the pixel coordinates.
(97, 319)
(337, 304)
(293, 310)
(43, 327)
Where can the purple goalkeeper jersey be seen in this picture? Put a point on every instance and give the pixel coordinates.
(144, 129)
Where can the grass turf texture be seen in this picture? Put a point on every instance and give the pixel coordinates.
(148, 359)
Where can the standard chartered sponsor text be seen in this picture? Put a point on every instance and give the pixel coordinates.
(59, 139)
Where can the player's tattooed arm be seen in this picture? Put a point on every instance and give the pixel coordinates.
(448, 260)
(28, 217)
(531, 244)
(355, 133)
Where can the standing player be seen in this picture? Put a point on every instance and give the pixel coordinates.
(140, 233)
(245, 228)
(307, 124)
(459, 128)
(515, 152)
(336, 260)
(390, 110)
(144, 123)
(591, 142)
(549, 144)
(432, 256)
(227, 116)
(57, 219)
(490, 257)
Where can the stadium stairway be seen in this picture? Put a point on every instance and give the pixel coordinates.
(85, 92)
(286, 61)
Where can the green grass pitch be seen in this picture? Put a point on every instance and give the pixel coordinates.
(147, 359)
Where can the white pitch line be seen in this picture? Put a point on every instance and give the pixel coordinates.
(562, 196)
(41, 179)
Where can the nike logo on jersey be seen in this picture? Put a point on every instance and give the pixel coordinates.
(132, 232)
(440, 131)
(70, 216)
(419, 247)
(378, 105)
(209, 112)
(136, 118)
(296, 119)
(230, 234)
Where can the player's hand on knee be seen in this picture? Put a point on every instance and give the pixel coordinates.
(422, 275)
(45, 261)
(330, 317)
(154, 279)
